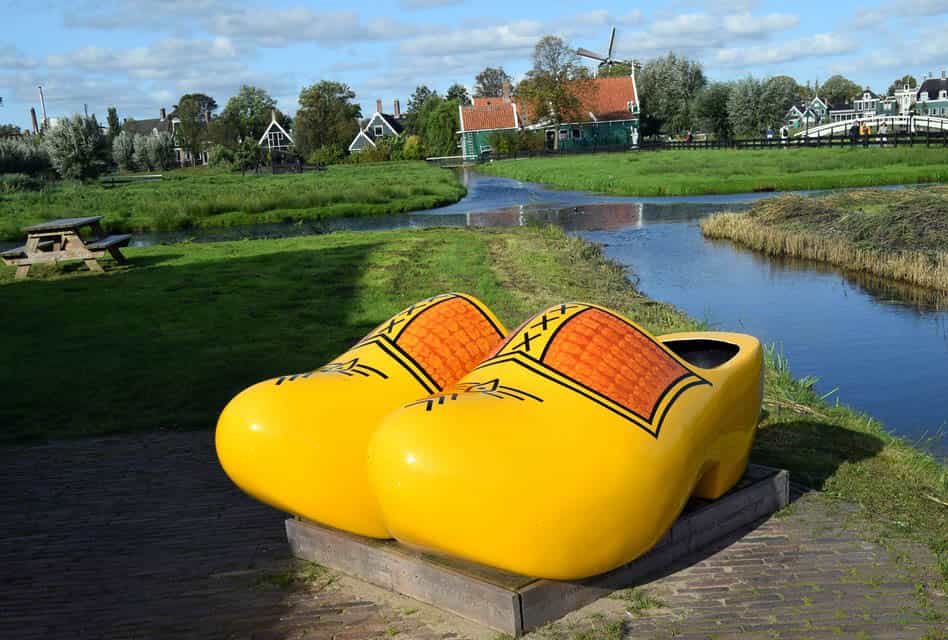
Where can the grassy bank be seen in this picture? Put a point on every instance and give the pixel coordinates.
(673, 173)
(207, 198)
(901, 234)
(165, 342)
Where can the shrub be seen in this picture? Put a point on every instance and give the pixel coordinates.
(77, 148)
(18, 156)
(12, 182)
(514, 142)
(123, 151)
(160, 151)
(142, 161)
(329, 154)
(413, 149)
(221, 156)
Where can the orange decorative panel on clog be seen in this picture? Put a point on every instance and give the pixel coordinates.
(420, 337)
(603, 357)
(613, 358)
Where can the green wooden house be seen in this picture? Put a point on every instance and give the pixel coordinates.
(609, 117)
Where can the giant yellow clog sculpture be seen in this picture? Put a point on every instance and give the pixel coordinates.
(573, 448)
(298, 442)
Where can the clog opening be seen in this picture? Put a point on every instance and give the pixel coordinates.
(706, 354)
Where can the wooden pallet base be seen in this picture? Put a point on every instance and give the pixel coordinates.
(513, 603)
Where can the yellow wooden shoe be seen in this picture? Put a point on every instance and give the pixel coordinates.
(298, 442)
(573, 448)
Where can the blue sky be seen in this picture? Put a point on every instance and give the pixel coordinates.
(143, 54)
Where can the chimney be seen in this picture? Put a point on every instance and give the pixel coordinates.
(273, 115)
(162, 114)
(207, 117)
(378, 105)
(943, 74)
(33, 118)
(398, 109)
(505, 90)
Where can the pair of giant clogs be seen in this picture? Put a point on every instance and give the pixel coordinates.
(562, 451)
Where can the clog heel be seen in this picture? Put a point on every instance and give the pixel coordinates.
(571, 450)
(298, 442)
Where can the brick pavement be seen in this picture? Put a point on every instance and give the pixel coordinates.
(144, 537)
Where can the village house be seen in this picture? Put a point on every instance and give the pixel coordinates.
(807, 113)
(164, 124)
(378, 127)
(932, 96)
(609, 117)
(275, 138)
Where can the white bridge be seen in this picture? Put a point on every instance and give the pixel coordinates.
(902, 124)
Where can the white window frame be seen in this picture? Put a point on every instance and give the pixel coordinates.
(378, 130)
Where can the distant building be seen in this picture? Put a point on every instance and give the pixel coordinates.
(807, 113)
(608, 116)
(275, 138)
(932, 96)
(164, 124)
(378, 127)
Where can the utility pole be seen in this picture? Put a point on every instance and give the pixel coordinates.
(43, 105)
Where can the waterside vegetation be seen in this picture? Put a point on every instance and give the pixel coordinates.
(193, 198)
(684, 173)
(898, 234)
(186, 326)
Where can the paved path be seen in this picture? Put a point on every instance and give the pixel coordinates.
(144, 537)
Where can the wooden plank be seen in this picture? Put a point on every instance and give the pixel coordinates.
(516, 604)
(110, 241)
(61, 224)
(383, 565)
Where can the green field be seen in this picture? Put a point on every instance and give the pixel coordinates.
(674, 173)
(207, 198)
(165, 342)
(900, 234)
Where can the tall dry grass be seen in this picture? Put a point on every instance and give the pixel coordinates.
(899, 237)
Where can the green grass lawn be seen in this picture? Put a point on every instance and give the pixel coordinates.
(206, 198)
(672, 173)
(165, 342)
(900, 234)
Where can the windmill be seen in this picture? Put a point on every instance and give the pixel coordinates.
(607, 60)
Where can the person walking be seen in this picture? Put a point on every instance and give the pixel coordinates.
(784, 135)
(853, 132)
(883, 131)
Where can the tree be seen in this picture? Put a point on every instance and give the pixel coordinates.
(114, 125)
(553, 87)
(743, 105)
(9, 131)
(441, 126)
(420, 104)
(77, 148)
(248, 114)
(248, 156)
(123, 151)
(711, 110)
(458, 93)
(192, 111)
(326, 117)
(205, 105)
(489, 83)
(616, 70)
(778, 94)
(900, 83)
(839, 90)
(667, 86)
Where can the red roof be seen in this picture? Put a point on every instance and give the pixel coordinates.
(610, 99)
(606, 99)
(488, 117)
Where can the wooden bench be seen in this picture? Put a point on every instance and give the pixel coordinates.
(59, 240)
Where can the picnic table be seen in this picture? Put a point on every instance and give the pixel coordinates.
(59, 240)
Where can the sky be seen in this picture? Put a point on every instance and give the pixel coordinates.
(140, 55)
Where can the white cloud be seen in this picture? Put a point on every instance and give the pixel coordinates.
(821, 44)
(746, 25)
(427, 4)
(518, 36)
(12, 58)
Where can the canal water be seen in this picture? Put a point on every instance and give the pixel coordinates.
(876, 346)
